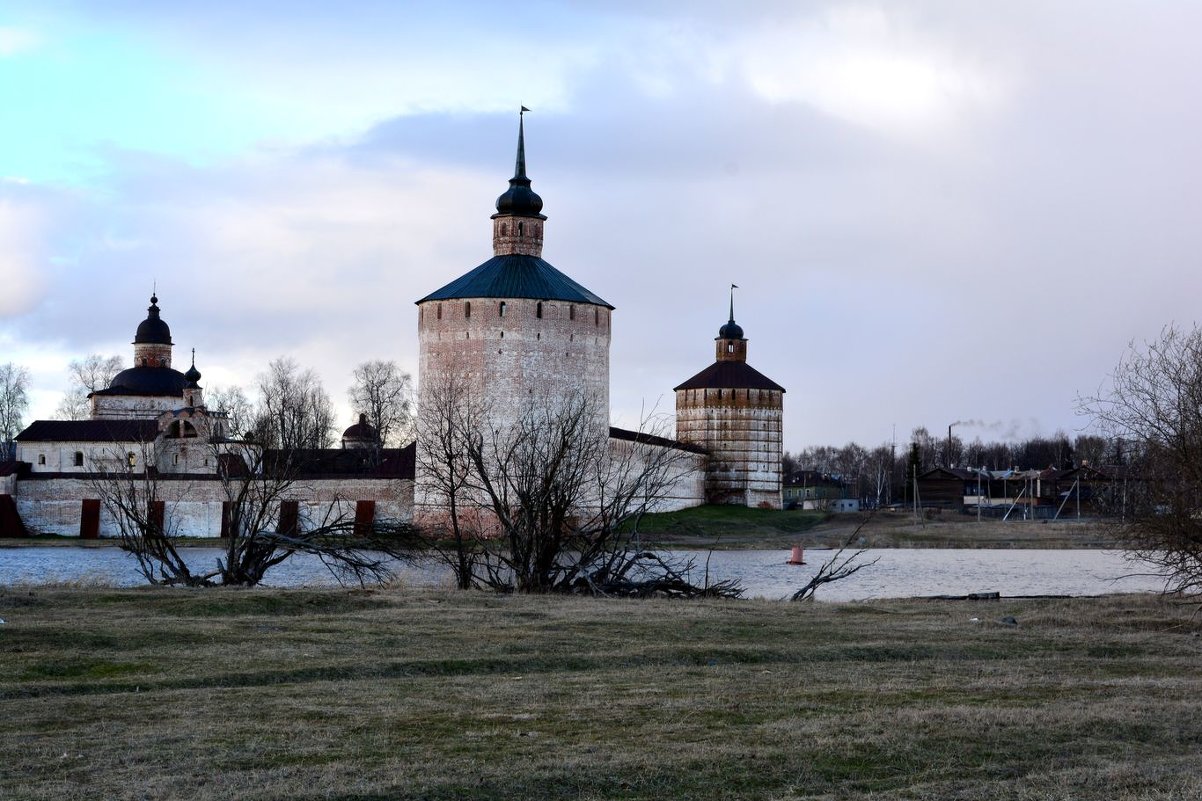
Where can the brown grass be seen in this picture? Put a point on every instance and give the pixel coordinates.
(227, 694)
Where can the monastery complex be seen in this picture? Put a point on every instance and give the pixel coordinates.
(511, 332)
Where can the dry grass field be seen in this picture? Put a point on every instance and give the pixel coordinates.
(356, 695)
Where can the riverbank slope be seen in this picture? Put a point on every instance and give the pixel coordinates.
(734, 527)
(223, 694)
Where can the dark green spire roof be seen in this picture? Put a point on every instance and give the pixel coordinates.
(516, 276)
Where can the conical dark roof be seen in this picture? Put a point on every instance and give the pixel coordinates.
(516, 276)
(730, 375)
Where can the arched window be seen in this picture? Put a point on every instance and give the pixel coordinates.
(538, 310)
(131, 459)
(501, 309)
(144, 361)
(467, 310)
(79, 458)
(41, 458)
(504, 229)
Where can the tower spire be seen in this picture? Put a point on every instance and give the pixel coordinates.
(519, 167)
(733, 287)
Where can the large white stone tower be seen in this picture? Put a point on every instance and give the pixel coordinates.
(515, 330)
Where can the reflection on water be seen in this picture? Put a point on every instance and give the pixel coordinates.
(897, 572)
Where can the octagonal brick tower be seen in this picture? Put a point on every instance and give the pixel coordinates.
(736, 413)
(516, 330)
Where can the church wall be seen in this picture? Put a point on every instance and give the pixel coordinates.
(59, 457)
(193, 505)
(133, 407)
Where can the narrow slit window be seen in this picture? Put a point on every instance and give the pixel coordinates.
(538, 310)
(439, 311)
(467, 310)
(79, 458)
(596, 317)
(501, 308)
(571, 312)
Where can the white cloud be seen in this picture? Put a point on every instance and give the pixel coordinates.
(865, 67)
(14, 41)
(21, 258)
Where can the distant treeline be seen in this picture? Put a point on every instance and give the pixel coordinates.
(879, 475)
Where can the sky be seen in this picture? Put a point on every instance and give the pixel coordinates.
(936, 212)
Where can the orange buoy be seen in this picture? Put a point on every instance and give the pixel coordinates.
(797, 557)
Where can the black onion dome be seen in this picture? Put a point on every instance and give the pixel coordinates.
(519, 199)
(146, 381)
(153, 330)
(361, 431)
(731, 330)
(193, 375)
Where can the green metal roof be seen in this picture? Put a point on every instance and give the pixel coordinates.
(516, 276)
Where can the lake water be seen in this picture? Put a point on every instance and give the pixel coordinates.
(897, 573)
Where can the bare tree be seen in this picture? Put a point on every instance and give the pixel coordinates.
(14, 402)
(232, 401)
(294, 412)
(448, 425)
(259, 534)
(559, 499)
(94, 372)
(384, 393)
(1154, 406)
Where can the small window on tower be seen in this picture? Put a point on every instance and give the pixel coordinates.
(501, 309)
(131, 459)
(521, 229)
(41, 458)
(730, 347)
(439, 311)
(571, 312)
(504, 229)
(79, 458)
(596, 317)
(538, 310)
(467, 310)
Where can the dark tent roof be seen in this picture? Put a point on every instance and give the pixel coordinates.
(90, 431)
(730, 375)
(146, 381)
(516, 276)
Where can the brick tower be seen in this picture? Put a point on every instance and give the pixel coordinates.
(735, 412)
(515, 330)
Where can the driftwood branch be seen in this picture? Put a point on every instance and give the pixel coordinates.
(838, 567)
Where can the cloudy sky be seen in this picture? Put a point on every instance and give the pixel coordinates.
(934, 211)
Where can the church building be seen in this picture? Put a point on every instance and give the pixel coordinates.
(511, 332)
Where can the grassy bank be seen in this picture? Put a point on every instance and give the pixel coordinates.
(738, 527)
(383, 694)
